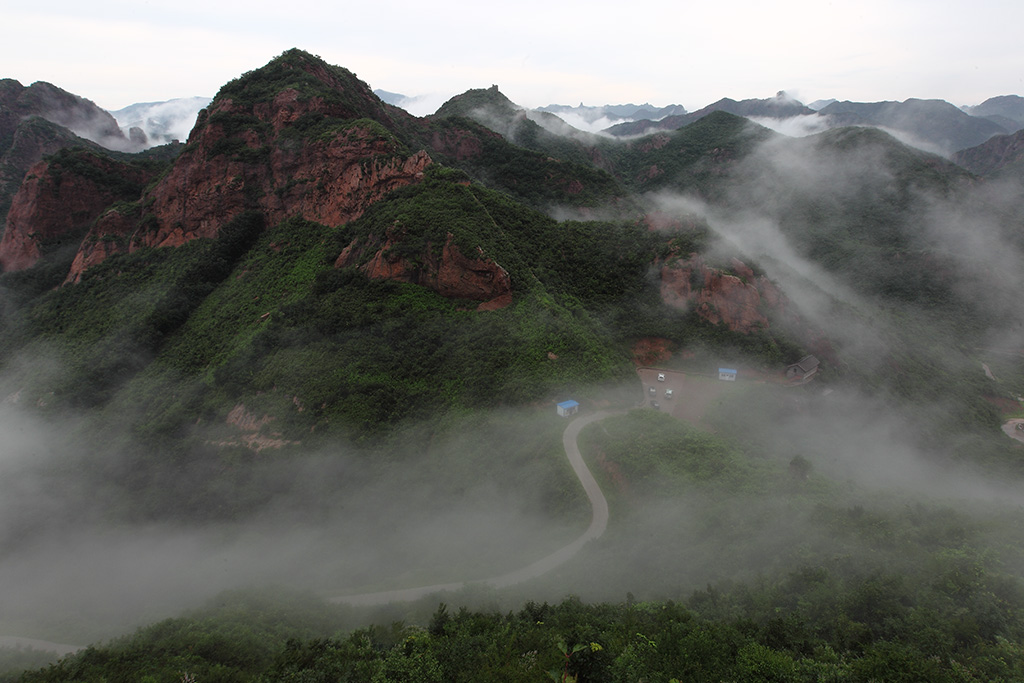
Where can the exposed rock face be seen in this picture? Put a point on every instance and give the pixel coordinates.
(104, 239)
(58, 198)
(271, 156)
(738, 298)
(251, 428)
(453, 274)
(137, 137)
(31, 140)
(457, 143)
(331, 182)
(736, 301)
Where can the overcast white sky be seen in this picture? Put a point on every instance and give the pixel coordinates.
(118, 52)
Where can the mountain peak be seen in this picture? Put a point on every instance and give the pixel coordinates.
(1008, 108)
(77, 114)
(475, 99)
(339, 90)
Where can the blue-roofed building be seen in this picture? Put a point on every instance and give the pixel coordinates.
(567, 408)
(726, 374)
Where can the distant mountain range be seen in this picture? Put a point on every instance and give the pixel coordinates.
(610, 114)
(979, 137)
(928, 122)
(933, 125)
(779, 107)
(162, 122)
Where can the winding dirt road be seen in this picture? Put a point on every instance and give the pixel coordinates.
(598, 523)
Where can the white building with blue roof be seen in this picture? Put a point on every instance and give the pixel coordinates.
(567, 408)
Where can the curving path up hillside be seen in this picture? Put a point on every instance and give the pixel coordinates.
(598, 523)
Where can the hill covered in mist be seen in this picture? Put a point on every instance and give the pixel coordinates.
(321, 342)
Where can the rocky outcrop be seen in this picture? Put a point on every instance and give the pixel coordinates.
(61, 197)
(329, 181)
(251, 428)
(457, 143)
(106, 238)
(737, 299)
(452, 274)
(323, 154)
(32, 140)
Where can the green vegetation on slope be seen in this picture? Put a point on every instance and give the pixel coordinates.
(535, 178)
(310, 77)
(571, 640)
(694, 158)
(106, 329)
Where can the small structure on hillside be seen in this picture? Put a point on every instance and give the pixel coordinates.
(568, 408)
(803, 369)
(727, 374)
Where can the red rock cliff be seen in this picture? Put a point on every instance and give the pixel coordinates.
(329, 181)
(736, 300)
(452, 274)
(330, 178)
(58, 199)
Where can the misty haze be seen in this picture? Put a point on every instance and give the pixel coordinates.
(297, 384)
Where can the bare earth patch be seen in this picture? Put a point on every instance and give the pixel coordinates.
(692, 394)
(651, 351)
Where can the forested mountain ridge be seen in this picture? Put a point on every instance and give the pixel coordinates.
(304, 260)
(781, 107)
(321, 343)
(298, 168)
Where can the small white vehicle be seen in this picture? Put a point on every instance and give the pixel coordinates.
(661, 376)
(668, 393)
